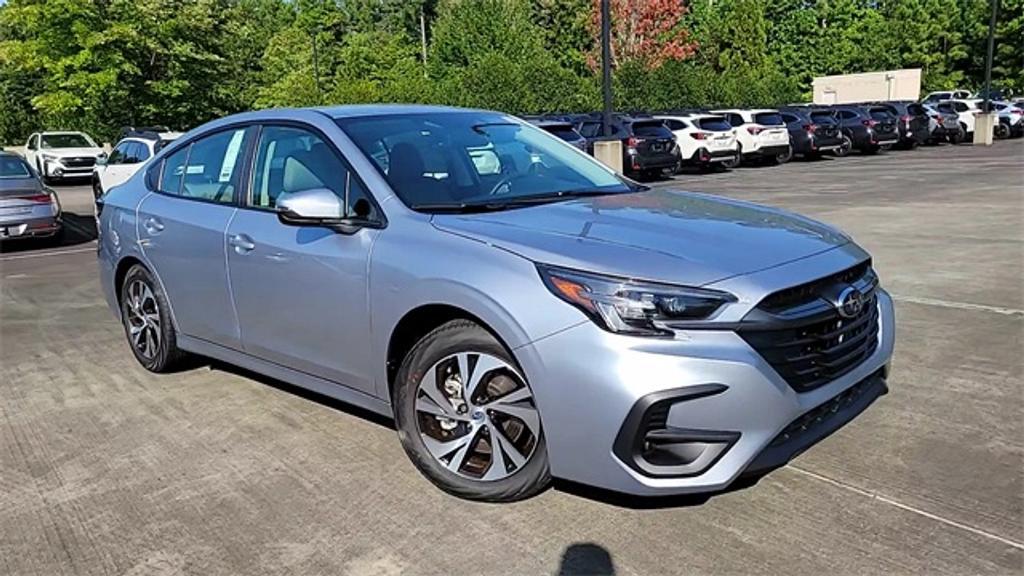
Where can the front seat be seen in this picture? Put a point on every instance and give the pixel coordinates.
(405, 174)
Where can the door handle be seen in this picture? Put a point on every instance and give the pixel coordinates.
(241, 243)
(153, 225)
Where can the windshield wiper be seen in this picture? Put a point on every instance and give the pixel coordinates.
(459, 207)
(519, 201)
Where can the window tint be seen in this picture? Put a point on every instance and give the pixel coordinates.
(789, 118)
(847, 114)
(290, 160)
(132, 152)
(564, 132)
(822, 117)
(674, 124)
(946, 107)
(67, 141)
(735, 119)
(117, 155)
(141, 152)
(213, 168)
(768, 119)
(960, 106)
(590, 129)
(654, 129)
(174, 168)
(916, 110)
(881, 114)
(713, 124)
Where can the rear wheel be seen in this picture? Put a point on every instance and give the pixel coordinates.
(736, 160)
(147, 322)
(467, 417)
(1001, 131)
(783, 157)
(844, 148)
(956, 137)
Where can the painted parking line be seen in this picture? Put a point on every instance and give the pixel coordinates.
(959, 305)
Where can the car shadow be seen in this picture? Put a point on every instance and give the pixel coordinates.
(78, 229)
(629, 501)
(586, 558)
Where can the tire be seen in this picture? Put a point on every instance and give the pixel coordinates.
(956, 138)
(1001, 132)
(783, 157)
(144, 308)
(97, 189)
(443, 427)
(736, 160)
(844, 149)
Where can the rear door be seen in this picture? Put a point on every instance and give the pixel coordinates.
(182, 232)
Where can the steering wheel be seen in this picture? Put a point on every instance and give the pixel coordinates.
(534, 171)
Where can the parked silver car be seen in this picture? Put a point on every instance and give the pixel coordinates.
(28, 209)
(520, 310)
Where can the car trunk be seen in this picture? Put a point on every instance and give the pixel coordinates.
(654, 143)
(885, 123)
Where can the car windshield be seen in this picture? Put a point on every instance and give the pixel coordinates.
(769, 119)
(715, 124)
(438, 161)
(11, 168)
(67, 141)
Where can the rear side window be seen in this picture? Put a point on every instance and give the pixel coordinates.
(213, 167)
(651, 130)
(590, 129)
(735, 120)
(822, 117)
(713, 124)
(789, 118)
(769, 119)
(674, 124)
(946, 107)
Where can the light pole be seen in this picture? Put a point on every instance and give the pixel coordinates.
(988, 57)
(606, 65)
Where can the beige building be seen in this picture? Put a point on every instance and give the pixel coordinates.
(869, 86)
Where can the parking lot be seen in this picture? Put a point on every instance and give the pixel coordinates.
(108, 469)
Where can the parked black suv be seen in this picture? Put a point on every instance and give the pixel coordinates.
(648, 146)
(912, 121)
(868, 128)
(811, 130)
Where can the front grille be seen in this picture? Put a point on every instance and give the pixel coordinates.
(83, 162)
(802, 335)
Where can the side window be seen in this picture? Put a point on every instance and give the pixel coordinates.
(960, 106)
(33, 142)
(131, 153)
(214, 166)
(735, 120)
(590, 129)
(788, 118)
(846, 115)
(117, 155)
(174, 169)
(290, 160)
(141, 152)
(675, 125)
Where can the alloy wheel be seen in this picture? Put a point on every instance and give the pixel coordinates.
(476, 416)
(143, 316)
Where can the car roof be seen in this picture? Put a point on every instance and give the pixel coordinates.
(60, 132)
(353, 110)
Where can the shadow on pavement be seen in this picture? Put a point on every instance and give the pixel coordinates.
(78, 229)
(629, 501)
(586, 558)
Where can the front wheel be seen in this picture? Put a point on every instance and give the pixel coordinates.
(1001, 132)
(467, 417)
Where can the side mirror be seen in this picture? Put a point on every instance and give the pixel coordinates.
(321, 207)
(101, 160)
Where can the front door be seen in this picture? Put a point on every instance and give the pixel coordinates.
(301, 291)
(182, 231)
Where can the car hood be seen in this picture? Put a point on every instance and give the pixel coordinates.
(71, 152)
(663, 235)
(19, 187)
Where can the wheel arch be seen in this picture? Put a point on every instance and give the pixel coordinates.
(417, 323)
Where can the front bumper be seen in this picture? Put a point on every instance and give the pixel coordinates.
(706, 156)
(54, 169)
(732, 404)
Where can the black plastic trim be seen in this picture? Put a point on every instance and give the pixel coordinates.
(778, 454)
(629, 440)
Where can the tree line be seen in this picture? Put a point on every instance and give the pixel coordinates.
(98, 65)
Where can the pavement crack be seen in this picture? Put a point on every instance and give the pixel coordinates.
(907, 507)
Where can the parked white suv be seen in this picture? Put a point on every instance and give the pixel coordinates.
(704, 140)
(760, 133)
(936, 97)
(60, 155)
(130, 154)
(967, 109)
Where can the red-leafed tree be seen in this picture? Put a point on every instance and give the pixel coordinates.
(648, 32)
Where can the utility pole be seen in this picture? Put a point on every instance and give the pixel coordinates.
(988, 57)
(606, 64)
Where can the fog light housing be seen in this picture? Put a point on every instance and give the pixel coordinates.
(648, 445)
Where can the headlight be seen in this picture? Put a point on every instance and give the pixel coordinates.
(50, 158)
(632, 307)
